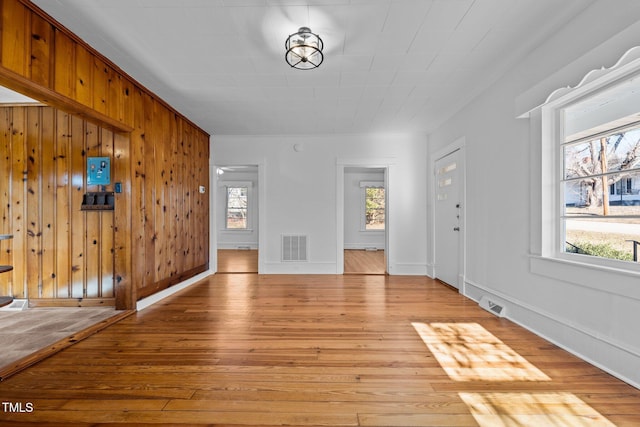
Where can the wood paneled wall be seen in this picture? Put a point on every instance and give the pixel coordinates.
(57, 250)
(161, 226)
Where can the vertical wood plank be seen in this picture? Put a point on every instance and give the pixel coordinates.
(6, 279)
(64, 65)
(204, 198)
(92, 221)
(78, 230)
(83, 74)
(15, 27)
(162, 181)
(138, 196)
(48, 202)
(130, 102)
(188, 172)
(19, 202)
(63, 205)
(106, 237)
(115, 95)
(124, 290)
(100, 85)
(178, 199)
(41, 46)
(149, 192)
(34, 204)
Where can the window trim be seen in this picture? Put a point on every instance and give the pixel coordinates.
(546, 129)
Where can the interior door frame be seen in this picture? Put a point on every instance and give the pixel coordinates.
(213, 215)
(341, 165)
(457, 145)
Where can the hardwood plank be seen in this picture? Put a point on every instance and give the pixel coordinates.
(237, 261)
(247, 349)
(364, 262)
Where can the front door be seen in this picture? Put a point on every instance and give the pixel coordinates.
(447, 218)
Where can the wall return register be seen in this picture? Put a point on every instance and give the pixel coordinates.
(304, 49)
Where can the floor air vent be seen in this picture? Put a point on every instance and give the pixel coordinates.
(492, 306)
(294, 248)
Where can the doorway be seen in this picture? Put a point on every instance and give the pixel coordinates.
(365, 221)
(449, 190)
(237, 216)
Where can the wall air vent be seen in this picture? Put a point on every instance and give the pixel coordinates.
(493, 306)
(294, 247)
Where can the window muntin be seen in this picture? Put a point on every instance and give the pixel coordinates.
(601, 194)
(236, 209)
(374, 210)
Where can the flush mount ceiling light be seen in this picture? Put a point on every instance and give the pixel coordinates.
(304, 49)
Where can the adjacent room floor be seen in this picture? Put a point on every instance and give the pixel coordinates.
(364, 262)
(248, 349)
(29, 335)
(237, 261)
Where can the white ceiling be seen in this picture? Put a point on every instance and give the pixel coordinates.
(7, 96)
(391, 66)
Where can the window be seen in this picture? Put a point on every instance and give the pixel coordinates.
(236, 212)
(374, 207)
(601, 186)
(599, 140)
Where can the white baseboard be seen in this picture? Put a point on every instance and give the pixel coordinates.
(158, 296)
(431, 270)
(237, 245)
(299, 268)
(360, 246)
(613, 357)
(407, 269)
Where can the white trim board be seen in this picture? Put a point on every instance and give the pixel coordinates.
(159, 296)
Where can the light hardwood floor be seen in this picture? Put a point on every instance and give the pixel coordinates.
(252, 349)
(237, 261)
(364, 262)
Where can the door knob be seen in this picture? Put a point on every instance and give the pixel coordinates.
(456, 228)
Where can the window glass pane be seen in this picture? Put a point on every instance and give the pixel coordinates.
(601, 188)
(611, 238)
(374, 208)
(621, 196)
(613, 153)
(237, 207)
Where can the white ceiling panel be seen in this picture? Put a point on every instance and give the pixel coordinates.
(390, 66)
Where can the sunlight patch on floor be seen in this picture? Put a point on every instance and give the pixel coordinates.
(532, 409)
(468, 352)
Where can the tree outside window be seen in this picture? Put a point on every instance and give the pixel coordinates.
(237, 202)
(601, 183)
(374, 208)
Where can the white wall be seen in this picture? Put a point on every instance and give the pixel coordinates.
(299, 190)
(354, 235)
(233, 239)
(502, 200)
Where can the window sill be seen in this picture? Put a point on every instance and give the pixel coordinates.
(607, 279)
